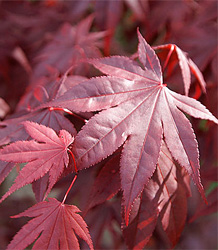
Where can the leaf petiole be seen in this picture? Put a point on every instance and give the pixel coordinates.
(68, 190)
(75, 177)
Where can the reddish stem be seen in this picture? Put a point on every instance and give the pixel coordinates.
(75, 177)
(68, 112)
(68, 190)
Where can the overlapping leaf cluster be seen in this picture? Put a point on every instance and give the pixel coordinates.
(126, 132)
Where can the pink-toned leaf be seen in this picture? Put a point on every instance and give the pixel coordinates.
(164, 197)
(138, 113)
(139, 8)
(123, 67)
(69, 82)
(192, 107)
(47, 153)
(55, 226)
(184, 65)
(98, 93)
(20, 56)
(149, 59)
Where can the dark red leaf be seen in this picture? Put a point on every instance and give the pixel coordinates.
(165, 196)
(173, 200)
(105, 219)
(40, 186)
(70, 44)
(55, 226)
(203, 209)
(138, 233)
(106, 184)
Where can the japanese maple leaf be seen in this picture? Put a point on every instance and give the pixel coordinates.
(47, 153)
(55, 226)
(139, 110)
(69, 45)
(106, 184)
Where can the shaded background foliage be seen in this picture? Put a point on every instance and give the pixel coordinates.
(40, 40)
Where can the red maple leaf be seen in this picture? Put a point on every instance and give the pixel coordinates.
(138, 233)
(47, 153)
(140, 110)
(56, 223)
(174, 195)
(106, 184)
(69, 45)
(164, 197)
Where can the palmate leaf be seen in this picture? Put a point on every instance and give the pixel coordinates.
(69, 45)
(138, 111)
(56, 223)
(47, 153)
